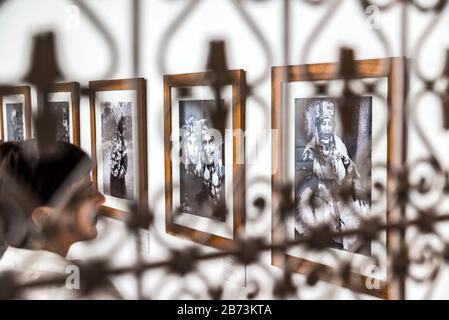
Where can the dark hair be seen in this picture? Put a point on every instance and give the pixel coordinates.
(41, 176)
(121, 125)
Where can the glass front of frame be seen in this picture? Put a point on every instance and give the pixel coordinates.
(202, 169)
(14, 117)
(116, 147)
(327, 158)
(61, 104)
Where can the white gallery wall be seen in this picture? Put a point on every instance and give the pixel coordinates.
(84, 56)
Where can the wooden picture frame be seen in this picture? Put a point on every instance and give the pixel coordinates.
(235, 82)
(137, 88)
(373, 68)
(73, 88)
(24, 91)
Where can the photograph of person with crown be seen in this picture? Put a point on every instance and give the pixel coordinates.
(117, 145)
(328, 184)
(202, 166)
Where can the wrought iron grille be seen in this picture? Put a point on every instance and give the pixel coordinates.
(419, 258)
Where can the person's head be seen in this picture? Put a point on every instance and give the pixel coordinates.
(325, 119)
(209, 147)
(326, 127)
(121, 125)
(191, 141)
(192, 148)
(58, 190)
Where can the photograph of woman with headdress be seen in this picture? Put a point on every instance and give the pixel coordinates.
(62, 110)
(15, 129)
(327, 166)
(119, 161)
(117, 150)
(202, 177)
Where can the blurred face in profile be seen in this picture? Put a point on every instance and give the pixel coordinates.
(77, 222)
(84, 213)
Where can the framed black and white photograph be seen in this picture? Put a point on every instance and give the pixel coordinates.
(64, 101)
(204, 165)
(202, 171)
(335, 152)
(318, 139)
(15, 109)
(118, 136)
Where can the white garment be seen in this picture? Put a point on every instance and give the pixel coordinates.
(324, 170)
(331, 211)
(33, 265)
